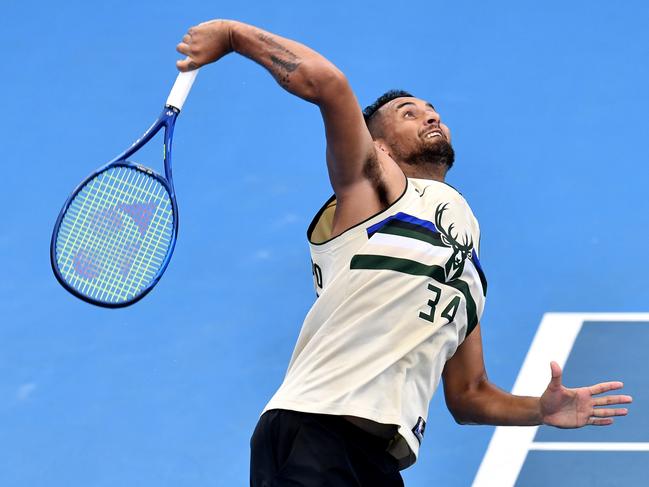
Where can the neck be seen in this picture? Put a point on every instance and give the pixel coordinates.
(436, 172)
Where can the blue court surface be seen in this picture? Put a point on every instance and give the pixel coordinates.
(547, 103)
(588, 347)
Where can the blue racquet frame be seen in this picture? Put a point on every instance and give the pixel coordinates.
(166, 120)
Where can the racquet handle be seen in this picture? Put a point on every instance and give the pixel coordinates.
(181, 88)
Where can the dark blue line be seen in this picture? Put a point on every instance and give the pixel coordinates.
(404, 217)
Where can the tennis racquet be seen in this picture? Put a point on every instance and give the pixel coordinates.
(116, 232)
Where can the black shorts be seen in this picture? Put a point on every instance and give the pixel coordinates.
(294, 449)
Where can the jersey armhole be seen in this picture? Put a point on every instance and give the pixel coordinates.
(319, 230)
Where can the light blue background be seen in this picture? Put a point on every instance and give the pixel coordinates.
(548, 105)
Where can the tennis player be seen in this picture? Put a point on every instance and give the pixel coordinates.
(400, 290)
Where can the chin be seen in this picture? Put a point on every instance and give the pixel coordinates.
(433, 151)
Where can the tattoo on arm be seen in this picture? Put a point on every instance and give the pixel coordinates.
(284, 61)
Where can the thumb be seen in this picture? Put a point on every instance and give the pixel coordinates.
(556, 374)
(186, 64)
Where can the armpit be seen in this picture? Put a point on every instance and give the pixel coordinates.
(373, 171)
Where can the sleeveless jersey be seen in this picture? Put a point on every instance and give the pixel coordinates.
(397, 294)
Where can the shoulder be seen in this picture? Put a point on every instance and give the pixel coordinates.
(442, 201)
(435, 191)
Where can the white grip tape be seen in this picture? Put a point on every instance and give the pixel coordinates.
(181, 88)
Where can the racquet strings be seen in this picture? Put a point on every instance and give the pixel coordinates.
(115, 235)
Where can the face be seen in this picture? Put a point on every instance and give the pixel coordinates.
(413, 131)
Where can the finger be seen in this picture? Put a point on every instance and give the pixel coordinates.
(599, 422)
(605, 387)
(183, 48)
(187, 64)
(608, 400)
(608, 412)
(187, 38)
(556, 374)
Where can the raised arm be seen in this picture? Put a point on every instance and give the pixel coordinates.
(472, 399)
(354, 167)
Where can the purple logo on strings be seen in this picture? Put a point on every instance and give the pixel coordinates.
(104, 224)
(86, 265)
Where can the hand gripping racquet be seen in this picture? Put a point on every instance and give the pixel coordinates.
(116, 232)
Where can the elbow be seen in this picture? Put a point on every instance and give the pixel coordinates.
(462, 422)
(459, 414)
(323, 81)
(467, 405)
(466, 400)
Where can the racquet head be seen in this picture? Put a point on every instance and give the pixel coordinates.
(115, 235)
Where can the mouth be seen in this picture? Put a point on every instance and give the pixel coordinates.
(434, 134)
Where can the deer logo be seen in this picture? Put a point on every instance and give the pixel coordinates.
(461, 250)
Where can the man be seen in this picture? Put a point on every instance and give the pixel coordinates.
(401, 290)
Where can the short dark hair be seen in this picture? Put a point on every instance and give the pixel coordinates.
(386, 97)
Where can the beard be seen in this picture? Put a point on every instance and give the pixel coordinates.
(437, 153)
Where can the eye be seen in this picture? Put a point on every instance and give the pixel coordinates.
(408, 114)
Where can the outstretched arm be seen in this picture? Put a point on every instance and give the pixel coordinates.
(472, 399)
(351, 155)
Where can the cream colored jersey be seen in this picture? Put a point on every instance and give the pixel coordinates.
(397, 294)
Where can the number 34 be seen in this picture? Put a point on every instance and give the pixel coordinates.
(448, 312)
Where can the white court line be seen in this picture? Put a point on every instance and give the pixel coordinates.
(586, 446)
(554, 340)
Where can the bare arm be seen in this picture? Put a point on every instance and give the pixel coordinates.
(472, 399)
(351, 154)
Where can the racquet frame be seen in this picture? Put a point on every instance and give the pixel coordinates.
(166, 120)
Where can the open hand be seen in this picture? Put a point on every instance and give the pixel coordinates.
(574, 408)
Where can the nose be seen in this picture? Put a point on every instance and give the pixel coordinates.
(432, 118)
